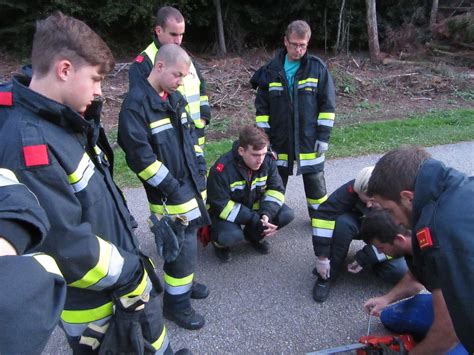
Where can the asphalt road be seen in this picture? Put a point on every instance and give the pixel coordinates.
(263, 303)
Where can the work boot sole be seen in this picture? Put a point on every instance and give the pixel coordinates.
(199, 291)
(185, 321)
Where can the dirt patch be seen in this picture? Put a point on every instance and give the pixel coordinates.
(365, 92)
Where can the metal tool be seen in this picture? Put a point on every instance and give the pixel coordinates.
(368, 325)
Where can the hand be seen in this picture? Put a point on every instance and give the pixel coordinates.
(323, 266)
(375, 305)
(320, 147)
(354, 267)
(270, 229)
(6, 248)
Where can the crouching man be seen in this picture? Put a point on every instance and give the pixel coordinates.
(245, 189)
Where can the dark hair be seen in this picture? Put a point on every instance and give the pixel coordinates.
(379, 224)
(251, 135)
(165, 13)
(396, 171)
(64, 37)
(298, 27)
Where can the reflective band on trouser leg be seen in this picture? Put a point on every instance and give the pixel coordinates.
(189, 209)
(262, 121)
(314, 203)
(162, 343)
(74, 322)
(322, 228)
(326, 119)
(175, 286)
(282, 160)
(308, 159)
(107, 270)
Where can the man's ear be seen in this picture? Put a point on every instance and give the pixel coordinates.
(407, 196)
(63, 69)
(241, 150)
(158, 30)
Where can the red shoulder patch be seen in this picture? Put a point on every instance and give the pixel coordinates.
(350, 189)
(36, 155)
(220, 167)
(6, 99)
(424, 238)
(139, 58)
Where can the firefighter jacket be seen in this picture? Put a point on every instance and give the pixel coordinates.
(193, 88)
(294, 124)
(33, 289)
(237, 194)
(343, 200)
(443, 240)
(160, 146)
(60, 156)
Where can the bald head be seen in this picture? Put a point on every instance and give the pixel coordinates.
(172, 54)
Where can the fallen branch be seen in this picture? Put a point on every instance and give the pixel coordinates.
(421, 98)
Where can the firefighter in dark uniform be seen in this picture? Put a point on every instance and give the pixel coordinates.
(160, 145)
(295, 104)
(437, 203)
(245, 189)
(33, 289)
(425, 315)
(53, 142)
(169, 28)
(337, 223)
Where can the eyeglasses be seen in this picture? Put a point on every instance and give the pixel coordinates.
(297, 45)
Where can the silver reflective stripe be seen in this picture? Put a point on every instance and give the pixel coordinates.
(159, 176)
(380, 256)
(283, 163)
(235, 211)
(275, 88)
(193, 214)
(327, 123)
(192, 98)
(307, 85)
(263, 125)
(178, 290)
(114, 271)
(308, 162)
(84, 181)
(272, 199)
(237, 187)
(204, 102)
(323, 233)
(314, 206)
(161, 128)
(164, 346)
(75, 330)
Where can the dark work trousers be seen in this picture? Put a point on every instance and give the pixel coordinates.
(179, 274)
(347, 229)
(151, 321)
(228, 234)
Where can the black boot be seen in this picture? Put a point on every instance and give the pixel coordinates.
(188, 319)
(262, 246)
(321, 289)
(222, 253)
(199, 291)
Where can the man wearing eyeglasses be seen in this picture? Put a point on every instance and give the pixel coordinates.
(295, 104)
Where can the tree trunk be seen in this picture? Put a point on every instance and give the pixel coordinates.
(372, 30)
(220, 28)
(338, 38)
(434, 13)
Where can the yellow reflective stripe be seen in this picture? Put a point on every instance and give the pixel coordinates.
(87, 315)
(262, 118)
(237, 183)
(175, 282)
(77, 175)
(151, 51)
(198, 149)
(204, 100)
(140, 288)
(321, 223)
(327, 115)
(160, 123)
(48, 263)
(274, 84)
(150, 170)
(308, 80)
(282, 156)
(256, 206)
(204, 194)
(175, 209)
(307, 156)
(227, 209)
(100, 270)
(276, 194)
(159, 342)
(201, 140)
(317, 201)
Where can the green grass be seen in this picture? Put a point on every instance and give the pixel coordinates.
(438, 127)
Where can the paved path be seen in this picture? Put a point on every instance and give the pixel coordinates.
(263, 304)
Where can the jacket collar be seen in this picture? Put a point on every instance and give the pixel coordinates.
(156, 102)
(46, 108)
(279, 60)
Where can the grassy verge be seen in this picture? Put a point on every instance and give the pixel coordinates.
(439, 127)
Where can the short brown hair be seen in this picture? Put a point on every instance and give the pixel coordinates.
(379, 224)
(396, 171)
(64, 37)
(165, 13)
(300, 28)
(251, 135)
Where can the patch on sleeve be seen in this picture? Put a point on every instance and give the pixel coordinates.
(6, 99)
(36, 155)
(139, 58)
(350, 189)
(424, 238)
(220, 167)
